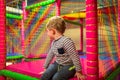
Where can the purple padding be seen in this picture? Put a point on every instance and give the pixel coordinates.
(32, 68)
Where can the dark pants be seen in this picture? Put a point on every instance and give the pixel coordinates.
(58, 72)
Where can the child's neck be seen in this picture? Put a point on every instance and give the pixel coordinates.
(57, 36)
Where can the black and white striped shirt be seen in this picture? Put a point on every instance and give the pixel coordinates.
(64, 51)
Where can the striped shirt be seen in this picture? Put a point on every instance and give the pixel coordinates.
(64, 51)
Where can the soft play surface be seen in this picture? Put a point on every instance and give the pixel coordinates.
(32, 68)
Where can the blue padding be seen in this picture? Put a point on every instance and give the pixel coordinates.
(105, 58)
(13, 54)
(81, 53)
(83, 56)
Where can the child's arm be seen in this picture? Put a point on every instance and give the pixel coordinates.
(71, 50)
(48, 59)
(80, 76)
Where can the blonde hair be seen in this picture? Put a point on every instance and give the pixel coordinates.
(57, 23)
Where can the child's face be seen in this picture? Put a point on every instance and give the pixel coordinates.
(50, 33)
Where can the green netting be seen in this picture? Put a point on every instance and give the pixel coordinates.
(73, 6)
(107, 33)
(13, 37)
(108, 37)
(36, 39)
(16, 76)
(72, 22)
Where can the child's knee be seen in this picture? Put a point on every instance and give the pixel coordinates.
(56, 77)
(45, 76)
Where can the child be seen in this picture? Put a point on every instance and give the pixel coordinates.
(63, 49)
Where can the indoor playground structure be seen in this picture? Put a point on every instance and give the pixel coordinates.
(94, 26)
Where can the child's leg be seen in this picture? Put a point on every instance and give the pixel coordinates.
(50, 71)
(64, 73)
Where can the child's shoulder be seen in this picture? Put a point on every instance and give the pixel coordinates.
(65, 38)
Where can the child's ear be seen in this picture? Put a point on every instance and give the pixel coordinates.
(53, 31)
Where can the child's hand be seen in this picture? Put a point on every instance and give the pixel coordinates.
(42, 71)
(80, 76)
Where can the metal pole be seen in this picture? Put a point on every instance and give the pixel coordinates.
(119, 28)
(81, 34)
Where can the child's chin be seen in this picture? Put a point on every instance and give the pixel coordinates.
(51, 38)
